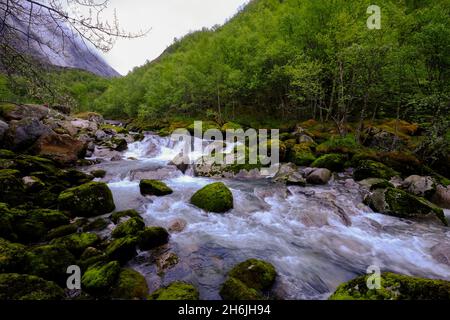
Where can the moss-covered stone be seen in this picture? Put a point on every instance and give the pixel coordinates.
(153, 237)
(91, 256)
(88, 200)
(12, 190)
(401, 204)
(49, 262)
(128, 228)
(231, 126)
(154, 188)
(116, 216)
(77, 243)
(15, 286)
(333, 162)
(215, 197)
(62, 231)
(234, 289)
(122, 249)
(340, 145)
(98, 173)
(394, 287)
(12, 256)
(301, 155)
(372, 169)
(100, 278)
(130, 286)
(376, 183)
(6, 223)
(96, 225)
(176, 291)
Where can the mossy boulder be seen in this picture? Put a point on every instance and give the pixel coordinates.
(100, 278)
(372, 169)
(78, 242)
(394, 287)
(154, 188)
(333, 162)
(376, 183)
(215, 197)
(131, 285)
(12, 256)
(91, 256)
(248, 280)
(116, 216)
(396, 202)
(301, 155)
(88, 200)
(62, 231)
(49, 262)
(128, 228)
(153, 237)
(98, 173)
(15, 286)
(98, 224)
(6, 223)
(122, 249)
(12, 190)
(340, 145)
(176, 291)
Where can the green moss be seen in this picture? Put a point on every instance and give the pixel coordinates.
(256, 274)
(153, 237)
(12, 256)
(62, 231)
(231, 126)
(49, 262)
(116, 216)
(88, 200)
(234, 289)
(394, 287)
(15, 286)
(98, 173)
(128, 228)
(100, 278)
(12, 190)
(6, 108)
(6, 223)
(131, 285)
(78, 242)
(96, 225)
(176, 291)
(154, 188)
(338, 144)
(301, 155)
(122, 249)
(117, 129)
(333, 162)
(373, 169)
(215, 197)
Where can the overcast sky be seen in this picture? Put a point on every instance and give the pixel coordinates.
(167, 19)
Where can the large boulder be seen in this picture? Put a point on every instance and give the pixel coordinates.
(122, 249)
(154, 188)
(63, 149)
(319, 176)
(215, 197)
(15, 286)
(153, 237)
(301, 154)
(393, 287)
(420, 186)
(372, 169)
(76, 243)
(442, 197)
(333, 162)
(88, 200)
(99, 279)
(129, 228)
(396, 202)
(176, 291)
(249, 280)
(130, 285)
(11, 111)
(23, 134)
(289, 174)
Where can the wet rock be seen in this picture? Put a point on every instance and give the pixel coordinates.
(116, 157)
(100, 135)
(394, 287)
(63, 149)
(154, 188)
(99, 173)
(88, 200)
(177, 225)
(131, 285)
(289, 174)
(153, 237)
(442, 197)
(129, 228)
(98, 224)
(420, 186)
(77, 243)
(15, 286)
(117, 216)
(441, 253)
(23, 134)
(319, 176)
(116, 143)
(122, 249)
(166, 261)
(176, 291)
(100, 278)
(249, 280)
(181, 162)
(372, 169)
(215, 197)
(401, 204)
(376, 183)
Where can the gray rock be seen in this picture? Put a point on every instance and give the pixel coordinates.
(442, 197)
(181, 161)
(100, 135)
(319, 176)
(19, 112)
(420, 186)
(24, 133)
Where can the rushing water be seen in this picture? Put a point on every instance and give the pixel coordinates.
(316, 237)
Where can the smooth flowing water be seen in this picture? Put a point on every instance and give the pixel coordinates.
(316, 237)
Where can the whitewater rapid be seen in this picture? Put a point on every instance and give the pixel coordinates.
(316, 237)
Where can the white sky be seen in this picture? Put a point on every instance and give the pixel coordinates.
(167, 19)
